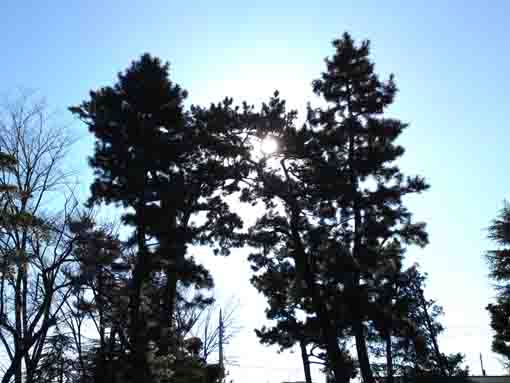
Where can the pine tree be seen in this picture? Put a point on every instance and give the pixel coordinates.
(139, 125)
(100, 278)
(360, 185)
(390, 311)
(170, 169)
(57, 364)
(408, 330)
(499, 233)
(334, 197)
(288, 239)
(276, 284)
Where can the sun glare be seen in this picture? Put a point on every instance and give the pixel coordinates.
(269, 145)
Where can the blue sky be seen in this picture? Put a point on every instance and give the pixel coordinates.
(450, 60)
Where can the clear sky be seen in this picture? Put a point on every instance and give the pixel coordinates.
(451, 63)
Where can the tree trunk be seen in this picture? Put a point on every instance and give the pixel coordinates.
(167, 311)
(305, 273)
(329, 333)
(173, 252)
(335, 359)
(18, 338)
(139, 365)
(306, 362)
(389, 358)
(138, 342)
(24, 293)
(61, 378)
(10, 371)
(358, 327)
(439, 357)
(361, 348)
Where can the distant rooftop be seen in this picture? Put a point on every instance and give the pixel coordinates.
(441, 379)
(451, 379)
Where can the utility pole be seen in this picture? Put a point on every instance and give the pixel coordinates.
(222, 367)
(481, 364)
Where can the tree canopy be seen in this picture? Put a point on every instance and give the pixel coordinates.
(328, 246)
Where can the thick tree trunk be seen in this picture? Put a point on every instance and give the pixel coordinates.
(389, 359)
(110, 376)
(12, 369)
(306, 362)
(167, 312)
(10, 372)
(305, 273)
(358, 327)
(335, 358)
(361, 348)
(174, 253)
(176, 245)
(139, 364)
(138, 342)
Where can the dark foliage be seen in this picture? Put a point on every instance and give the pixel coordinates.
(169, 169)
(328, 246)
(407, 332)
(499, 265)
(334, 199)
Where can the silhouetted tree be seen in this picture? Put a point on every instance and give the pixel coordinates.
(361, 188)
(170, 170)
(499, 265)
(100, 298)
(138, 124)
(34, 241)
(276, 284)
(57, 363)
(391, 309)
(409, 329)
(334, 199)
(202, 322)
(289, 263)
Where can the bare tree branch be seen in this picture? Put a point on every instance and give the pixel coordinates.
(34, 239)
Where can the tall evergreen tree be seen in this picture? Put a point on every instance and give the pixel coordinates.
(137, 124)
(290, 252)
(170, 170)
(335, 199)
(361, 188)
(499, 265)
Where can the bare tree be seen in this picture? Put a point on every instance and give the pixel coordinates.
(35, 244)
(204, 323)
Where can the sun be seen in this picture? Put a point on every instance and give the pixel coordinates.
(263, 148)
(269, 145)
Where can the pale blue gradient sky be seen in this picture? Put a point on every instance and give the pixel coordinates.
(450, 60)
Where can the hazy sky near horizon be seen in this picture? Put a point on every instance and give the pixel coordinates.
(451, 63)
